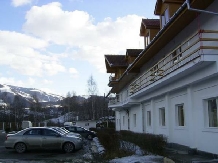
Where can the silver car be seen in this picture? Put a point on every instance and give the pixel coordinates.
(42, 138)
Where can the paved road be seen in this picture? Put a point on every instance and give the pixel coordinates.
(10, 156)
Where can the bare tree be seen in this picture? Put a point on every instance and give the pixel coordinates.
(18, 109)
(92, 86)
(92, 91)
(37, 109)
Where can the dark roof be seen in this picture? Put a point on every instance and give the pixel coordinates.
(149, 23)
(116, 60)
(133, 52)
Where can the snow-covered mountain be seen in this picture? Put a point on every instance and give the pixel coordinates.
(28, 93)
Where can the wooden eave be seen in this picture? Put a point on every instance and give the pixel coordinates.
(173, 1)
(143, 29)
(159, 3)
(180, 22)
(122, 82)
(158, 7)
(112, 69)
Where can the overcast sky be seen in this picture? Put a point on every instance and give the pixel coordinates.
(57, 45)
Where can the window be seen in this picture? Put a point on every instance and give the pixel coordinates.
(147, 39)
(148, 118)
(33, 132)
(177, 55)
(162, 116)
(80, 129)
(118, 97)
(180, 115)
(121, 97)
(165, 17)
(134, 119)
(50, 133)
(72, 129)
(154, 70)
(86, 124)
(123, 120)
(212, 113)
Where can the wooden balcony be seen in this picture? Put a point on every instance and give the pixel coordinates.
(112, 81)
(204, 41)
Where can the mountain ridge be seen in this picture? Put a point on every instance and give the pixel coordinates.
(28, 93)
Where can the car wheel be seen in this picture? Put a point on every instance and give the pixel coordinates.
(68, 147)
(89, 137)
(20, 148)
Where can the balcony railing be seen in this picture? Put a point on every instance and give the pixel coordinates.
(112, 78)
(189, 50)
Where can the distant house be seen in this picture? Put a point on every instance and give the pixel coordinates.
(171, 86)
(86, 124)
(2, 104)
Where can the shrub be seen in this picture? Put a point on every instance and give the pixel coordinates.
(110, 140)
(7, 130)
(148, 142)
(123, 143)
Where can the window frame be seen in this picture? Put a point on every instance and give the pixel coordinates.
(124, 120)
(134, 120)
(162, 118)
(165, 17)
(180, 122)
(149, 118)
(208, 121)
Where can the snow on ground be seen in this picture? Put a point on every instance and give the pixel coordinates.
(138, 157)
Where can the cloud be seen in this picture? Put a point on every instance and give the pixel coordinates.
(47, 90)
(73, 71)
(11, 81)
(31, 81)
(84, 39)
(27, 55)
(45, 81)
(17, 3)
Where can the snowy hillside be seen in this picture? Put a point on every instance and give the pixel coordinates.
(28, 93)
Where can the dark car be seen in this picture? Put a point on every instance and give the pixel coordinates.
(82, 131)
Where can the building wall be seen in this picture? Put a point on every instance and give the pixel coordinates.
(194, 133)
(192, 91)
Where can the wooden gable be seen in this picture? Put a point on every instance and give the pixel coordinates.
(172, 5)
(149, 29)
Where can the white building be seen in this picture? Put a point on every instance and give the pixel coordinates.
(171, 86)
(86, 124)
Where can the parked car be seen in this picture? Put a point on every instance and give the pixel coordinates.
(42, 138)
(2, 131)
(83, 131)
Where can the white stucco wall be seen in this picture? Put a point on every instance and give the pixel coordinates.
(136, 122)
(206, 138)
